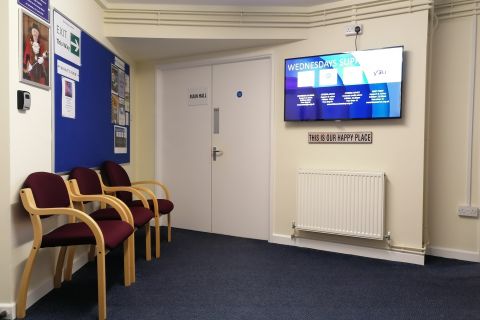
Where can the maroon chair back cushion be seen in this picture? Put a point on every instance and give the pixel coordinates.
(49, 190)
(87, 180)
(116, 176)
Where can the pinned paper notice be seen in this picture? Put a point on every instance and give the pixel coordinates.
(68, 98)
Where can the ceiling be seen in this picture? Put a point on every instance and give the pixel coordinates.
(144, 49)
(296, 3)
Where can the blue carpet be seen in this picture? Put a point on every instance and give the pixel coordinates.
(205, 276)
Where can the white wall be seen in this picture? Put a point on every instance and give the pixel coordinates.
(452, 63)
(31, 147)
(5, 218)
(144, 144)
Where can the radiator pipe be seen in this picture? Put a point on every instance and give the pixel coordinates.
(471, 112)
(388, 237)
(408, 249)
(404, 249)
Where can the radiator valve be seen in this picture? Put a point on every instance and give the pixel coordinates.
(388, 236)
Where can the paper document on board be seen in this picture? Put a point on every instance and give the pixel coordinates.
(120, 139)
(68, 98)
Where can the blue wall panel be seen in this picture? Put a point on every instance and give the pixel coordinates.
(87, 140)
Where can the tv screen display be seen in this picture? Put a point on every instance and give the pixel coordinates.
(344, 86)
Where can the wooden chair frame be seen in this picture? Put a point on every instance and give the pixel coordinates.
(137, 193)
(164, 188)
(151, 194)
(81, 198)
(125, 215)
(35, 213)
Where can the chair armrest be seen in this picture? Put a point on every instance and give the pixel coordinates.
(29, 204)
(132, 190)
(152, 196)
(118, 205)
(122, 209)
(154, 182)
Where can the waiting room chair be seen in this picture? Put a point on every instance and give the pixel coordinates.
(85, 181)
(46, 194)
(116, 177)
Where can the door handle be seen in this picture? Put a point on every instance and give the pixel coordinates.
(216, 152)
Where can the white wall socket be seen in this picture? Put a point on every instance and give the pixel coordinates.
(350, 29)
(466, 211)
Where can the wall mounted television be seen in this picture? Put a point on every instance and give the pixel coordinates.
(363, 84)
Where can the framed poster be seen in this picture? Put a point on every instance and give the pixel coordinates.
(34, 42)
(37, 7)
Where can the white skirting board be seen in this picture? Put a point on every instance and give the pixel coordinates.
(35, 294)
(9, 308)
(454, 254)
(374, 253)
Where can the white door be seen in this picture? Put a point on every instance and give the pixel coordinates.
(231, 194)
(240, 174)
(183, 157)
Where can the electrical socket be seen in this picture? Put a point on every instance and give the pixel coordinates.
(466, 211)
(350, 29)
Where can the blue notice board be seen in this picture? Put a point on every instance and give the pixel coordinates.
(88, 139)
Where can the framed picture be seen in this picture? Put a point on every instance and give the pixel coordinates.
(34, 51)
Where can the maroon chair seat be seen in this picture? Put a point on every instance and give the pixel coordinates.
(70, 234)
(164, 206)
(141, 216)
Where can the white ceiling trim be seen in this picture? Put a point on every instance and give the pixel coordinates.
(457, 9)
(261, 17)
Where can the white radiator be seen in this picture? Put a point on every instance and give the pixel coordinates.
(341, 202)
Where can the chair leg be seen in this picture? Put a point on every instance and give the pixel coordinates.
(148, 242)
(69, 267)
(91, 253)
(102, 299)
(169, 228)
(157, 237)
(133, 278)
(126, 263)
(25, 280)
(57, 279)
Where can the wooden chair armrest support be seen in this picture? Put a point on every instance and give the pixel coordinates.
(134, 191)
(29, 203)
(154, 182)
(122, 209)
(152, 196)
(118, 205)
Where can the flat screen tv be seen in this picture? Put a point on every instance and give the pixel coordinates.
(344, 86)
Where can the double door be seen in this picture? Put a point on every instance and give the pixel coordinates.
(213, 146)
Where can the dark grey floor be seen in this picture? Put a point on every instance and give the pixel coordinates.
(206, 276)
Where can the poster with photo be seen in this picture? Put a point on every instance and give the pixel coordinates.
(114, 79)
(120, 139)
(68, 98)
(121, 83)
(121, 112)
(115, 106)
(127, 93)
(34, 55)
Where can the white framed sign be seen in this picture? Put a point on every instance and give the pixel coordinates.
(365, 137)
(197, 96)
(67, 38)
